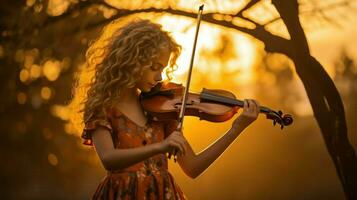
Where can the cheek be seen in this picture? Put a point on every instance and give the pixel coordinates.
(147, 76)
(157, 74)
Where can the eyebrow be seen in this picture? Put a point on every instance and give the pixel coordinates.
(160, 64)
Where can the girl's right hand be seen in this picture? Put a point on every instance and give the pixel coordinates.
(174, 143)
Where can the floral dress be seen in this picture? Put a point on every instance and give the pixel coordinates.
(148, 179)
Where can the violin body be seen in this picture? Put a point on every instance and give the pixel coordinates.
(167, 103)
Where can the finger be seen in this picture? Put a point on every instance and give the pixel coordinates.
(177, 133)
(250, 105)
(182, 147)
(245, 107)
(178, 147)
(181, 140)
(257, 103)
(174, 135)
(253, 105)
(174, 152)
(257, 106)
(173, 149)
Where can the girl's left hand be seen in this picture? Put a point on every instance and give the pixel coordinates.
(250, 113)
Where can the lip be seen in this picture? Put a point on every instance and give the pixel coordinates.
(152, 85)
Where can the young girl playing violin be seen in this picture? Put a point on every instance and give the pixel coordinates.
(132, 147)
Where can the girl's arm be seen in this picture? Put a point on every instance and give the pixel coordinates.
(116, 159)
(193, 165)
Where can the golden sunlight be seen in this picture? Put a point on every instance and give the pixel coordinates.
(61, 112)
(220, 53)
(183, 30)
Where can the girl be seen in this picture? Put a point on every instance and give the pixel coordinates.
(131, 146)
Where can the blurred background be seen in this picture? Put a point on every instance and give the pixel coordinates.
(42, 51)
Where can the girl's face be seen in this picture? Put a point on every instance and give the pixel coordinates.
(152, 75)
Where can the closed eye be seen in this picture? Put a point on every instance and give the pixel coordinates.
(157, 66)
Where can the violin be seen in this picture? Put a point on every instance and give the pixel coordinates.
(164, 101)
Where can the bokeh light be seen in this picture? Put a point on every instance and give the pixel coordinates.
(24, 75)
(46, 93)
(52, 159)
(21, 98)
(35, 71)
(51, 69)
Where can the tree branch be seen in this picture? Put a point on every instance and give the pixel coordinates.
(246, 7)
(272, 42)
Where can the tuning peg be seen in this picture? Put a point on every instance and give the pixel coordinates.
(274, 122)
(281, 127)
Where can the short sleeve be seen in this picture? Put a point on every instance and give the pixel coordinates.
(90, 126)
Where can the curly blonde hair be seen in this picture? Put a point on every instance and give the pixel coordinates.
(120, 62)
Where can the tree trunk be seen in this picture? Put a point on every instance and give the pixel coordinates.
(324, 98)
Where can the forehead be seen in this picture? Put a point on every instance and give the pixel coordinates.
(163, 57)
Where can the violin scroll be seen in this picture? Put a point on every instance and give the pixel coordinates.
(278, 117)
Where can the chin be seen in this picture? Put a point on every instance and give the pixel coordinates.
(145, 89)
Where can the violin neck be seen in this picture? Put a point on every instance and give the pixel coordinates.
(212, 97)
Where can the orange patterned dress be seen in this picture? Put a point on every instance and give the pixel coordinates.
(148, 179)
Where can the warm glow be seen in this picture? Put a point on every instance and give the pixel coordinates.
(62, 112)
(21, 98)
(29, 57)
(46, 93)
(51, 70)
(236, 60)
(19, 55)
(35, 71)
(66, 63)
(69, 128)
(183, 31)
(52, 159)
(47, 133)
(30, 3)
(57, 7)
(24, 75)
(232, 60)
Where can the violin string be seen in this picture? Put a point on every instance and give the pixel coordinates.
(229, 100)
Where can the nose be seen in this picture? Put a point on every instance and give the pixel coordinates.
(158, 76)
